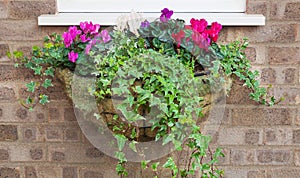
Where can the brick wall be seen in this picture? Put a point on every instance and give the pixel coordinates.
(259, 141)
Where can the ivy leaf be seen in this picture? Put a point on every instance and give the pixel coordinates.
(154, 166)
(31, 86)
(29, 100)
(47, 83)
(44, 99)
(49, 72)
(37, 70)
(132, 145)
(144, 164)
(121, 139)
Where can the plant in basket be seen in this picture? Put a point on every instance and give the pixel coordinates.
(151, 82)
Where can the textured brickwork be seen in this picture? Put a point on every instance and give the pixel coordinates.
(258, 141)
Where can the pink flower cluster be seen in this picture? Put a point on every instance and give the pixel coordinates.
(86, 34)
(211, 34)
(202, 36)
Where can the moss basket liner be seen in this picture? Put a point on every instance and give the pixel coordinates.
(107, 110)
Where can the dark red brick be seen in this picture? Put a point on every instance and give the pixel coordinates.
(8, 133)
(285, 55)
(292, 11)
(6, 172)
(262, 116)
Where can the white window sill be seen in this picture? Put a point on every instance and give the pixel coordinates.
(226, 19)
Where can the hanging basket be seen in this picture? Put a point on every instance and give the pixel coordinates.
(108, 111)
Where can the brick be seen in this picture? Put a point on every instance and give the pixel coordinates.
(54, 114)
(69, 172)
(251, 54)
(30, 9)
(297, 120)
(262, 116)
(10, 30)
(278, 136)
(252, 137)
(69, 114)
(58, 156)
(26, 153)
(296, 136)
(29, 134)
(72, 134)
(4, 155)
(36, 154)
(93, 153)
(239, 94)
(3, 10)
(6, 172)
(292, 11)
(14, 112)
(3, 50)
(54, 134)
(93, 174)
(8, 133)
(281, 33)
(238, 136)
(22, 113)
(291, 94)
(242, 157)
(273, 10)
(7, 94)
(79, 153)
(10, 73)
(284, 55)
(256, 174)
(284, 172)
(30, 172)
(268, 75)
(49, 172)
(274, 157)
(257, 8)
(279, 75)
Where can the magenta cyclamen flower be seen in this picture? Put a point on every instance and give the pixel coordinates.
(84, 26)
(105, 36)
(74, 32)
(145, 24)
(68, 40)
(73, 56)
(84, 38)
(199, 25)
(87, 27)
(95, 29)
(166, 15)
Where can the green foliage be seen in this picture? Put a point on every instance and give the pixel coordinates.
(153, 71)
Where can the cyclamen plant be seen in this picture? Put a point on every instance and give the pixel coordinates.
(182, 54)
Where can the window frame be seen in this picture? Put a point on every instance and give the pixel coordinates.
(226, 12)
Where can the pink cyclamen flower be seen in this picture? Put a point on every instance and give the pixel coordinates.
(84, 39)
(95, 29)
(68, 40)
(105, 36)
(214, 31)
(216, 27)
(178, 37)
(74, 32)
(73, 56)
(166, 15)
(145, 24)
(84, 26)
(198, 25)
